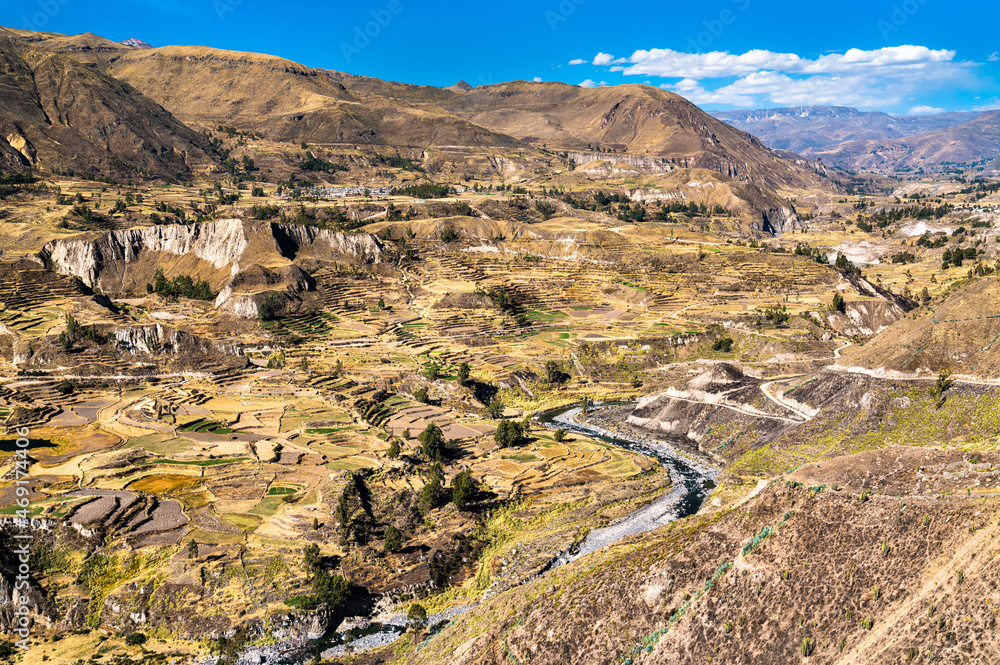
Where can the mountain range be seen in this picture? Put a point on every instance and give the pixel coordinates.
(849, 138)
(204, 87)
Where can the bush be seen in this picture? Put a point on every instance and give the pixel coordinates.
(393, 539)
(559, 435)
(838, 303)
(416, 615)
(723, 344)
(463, 489)
(807, 647)
(776, 314)
(421, 395)
(448, 234)
(135, 639)
(432, 441)
(509, 433)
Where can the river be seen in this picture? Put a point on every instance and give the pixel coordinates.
(691, 482)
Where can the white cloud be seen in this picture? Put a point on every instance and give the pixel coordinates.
(578, 61)
(537, 79)
(925, 110)
(668, 63)
(994, 57)
(589, 83)
(888, 76)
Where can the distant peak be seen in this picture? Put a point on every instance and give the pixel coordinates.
(461, 86)
(135, 43)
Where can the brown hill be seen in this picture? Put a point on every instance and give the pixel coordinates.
(633, 119)
(803, 572)
(960, 334)
(291, 102)
(55, 111)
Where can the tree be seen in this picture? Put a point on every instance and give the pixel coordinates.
(430, 495)
(394, 450)
(495, 409)
(330, 590)
(416, 615)
(559, 435)
(509, 433)
(723, 344)
(554, 373)
(838, 303)
(192, 549)
(463, 489)
(432, 371)
(432, 441)
(463, 374)
(393, 539)
(421, 395)
(776, 314)
(311, 557)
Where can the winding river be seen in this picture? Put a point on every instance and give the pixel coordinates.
(691, 481)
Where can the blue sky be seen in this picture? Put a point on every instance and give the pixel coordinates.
(900, 56)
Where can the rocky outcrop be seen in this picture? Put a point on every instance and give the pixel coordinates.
(160, 340)
(648, 164)
(115, 262)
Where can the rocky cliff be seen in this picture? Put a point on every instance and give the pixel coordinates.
(122, 262)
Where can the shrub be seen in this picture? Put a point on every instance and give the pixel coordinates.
(723, 344)
(559, 435)
(509, 433)
(421, 395)
(393, 539)
(463, 489)
(807, 647)
(448, 234)
(838, 304)
(135, 639)
(416, 615)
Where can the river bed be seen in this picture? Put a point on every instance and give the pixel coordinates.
(691, 482)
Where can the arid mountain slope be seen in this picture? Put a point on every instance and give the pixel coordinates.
(636, 119)
(960, 334)
(287, 101)
(809, 129)
(967, 143)
(56, 112)
(803, 569)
